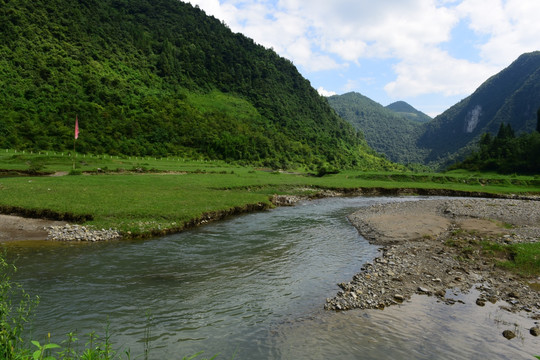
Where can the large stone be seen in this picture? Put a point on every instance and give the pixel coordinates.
(480, 302)
(509, 334)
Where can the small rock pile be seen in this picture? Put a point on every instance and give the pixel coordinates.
(431, 269)
(286, 200)
(70, 232)
(398, 274)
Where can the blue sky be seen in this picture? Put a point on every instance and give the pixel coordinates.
(430, 53)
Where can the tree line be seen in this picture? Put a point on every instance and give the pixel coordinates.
(506, 153)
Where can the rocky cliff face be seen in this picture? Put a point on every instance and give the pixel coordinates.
(511, 97)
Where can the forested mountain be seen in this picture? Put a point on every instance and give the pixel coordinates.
(511, 97)
(387, 131)
(159, 77)
(402, 108)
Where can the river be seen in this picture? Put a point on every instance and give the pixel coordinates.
(252, 287)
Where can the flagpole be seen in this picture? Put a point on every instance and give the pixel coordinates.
(75, 138)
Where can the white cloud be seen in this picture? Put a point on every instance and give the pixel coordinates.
(302, 53)
(437, 72)
(348, 50)
(345, 28)
(374, 29)
(341, 34)
(511, 26)
(324, 92)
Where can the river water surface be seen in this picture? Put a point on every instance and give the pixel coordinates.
(254, 287)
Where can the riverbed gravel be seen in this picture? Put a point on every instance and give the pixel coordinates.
(69, 232)
(433, 248)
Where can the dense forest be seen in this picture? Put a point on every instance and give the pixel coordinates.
(505, 153)
(159, 77)
(387, 131)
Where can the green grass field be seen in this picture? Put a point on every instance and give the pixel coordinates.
(145, 196)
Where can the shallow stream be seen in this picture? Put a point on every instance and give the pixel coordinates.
(254, 287)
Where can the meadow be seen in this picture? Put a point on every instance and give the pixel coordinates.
(149, 196)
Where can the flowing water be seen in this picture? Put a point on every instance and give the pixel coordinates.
(254, 287)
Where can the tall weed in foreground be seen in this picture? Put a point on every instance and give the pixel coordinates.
(13, 317)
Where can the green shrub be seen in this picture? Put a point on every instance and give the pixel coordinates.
(13, 316)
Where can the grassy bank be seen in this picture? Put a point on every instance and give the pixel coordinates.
(522, 259)
(150, 196)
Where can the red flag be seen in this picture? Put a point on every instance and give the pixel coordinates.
(76, 127)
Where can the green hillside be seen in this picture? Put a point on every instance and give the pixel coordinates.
(406, 110)
(159, 77)
(388, 132)
(511, 97)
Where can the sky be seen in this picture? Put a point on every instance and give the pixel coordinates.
(429, 53)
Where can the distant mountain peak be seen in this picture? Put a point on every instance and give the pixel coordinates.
(401, 106)
(387, 131)
(405, 109)
(510, 97)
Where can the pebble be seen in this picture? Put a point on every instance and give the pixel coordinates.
(70, 232)
(509, 334)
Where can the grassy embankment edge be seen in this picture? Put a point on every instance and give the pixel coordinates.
(145, 197)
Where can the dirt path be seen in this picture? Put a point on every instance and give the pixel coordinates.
(15, 228)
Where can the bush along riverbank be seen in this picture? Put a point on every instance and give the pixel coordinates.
(435, 247)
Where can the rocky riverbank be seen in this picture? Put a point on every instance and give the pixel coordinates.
(434, 247)
(70, 232)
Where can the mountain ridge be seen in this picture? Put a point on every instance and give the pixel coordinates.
(385, 130)
(156, 78)
(511, 96)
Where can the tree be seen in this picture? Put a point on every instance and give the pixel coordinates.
(538, 120)
(505, 132)
(486, 140)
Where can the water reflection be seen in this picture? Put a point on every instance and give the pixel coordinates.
(422, 328)
(253, 286)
